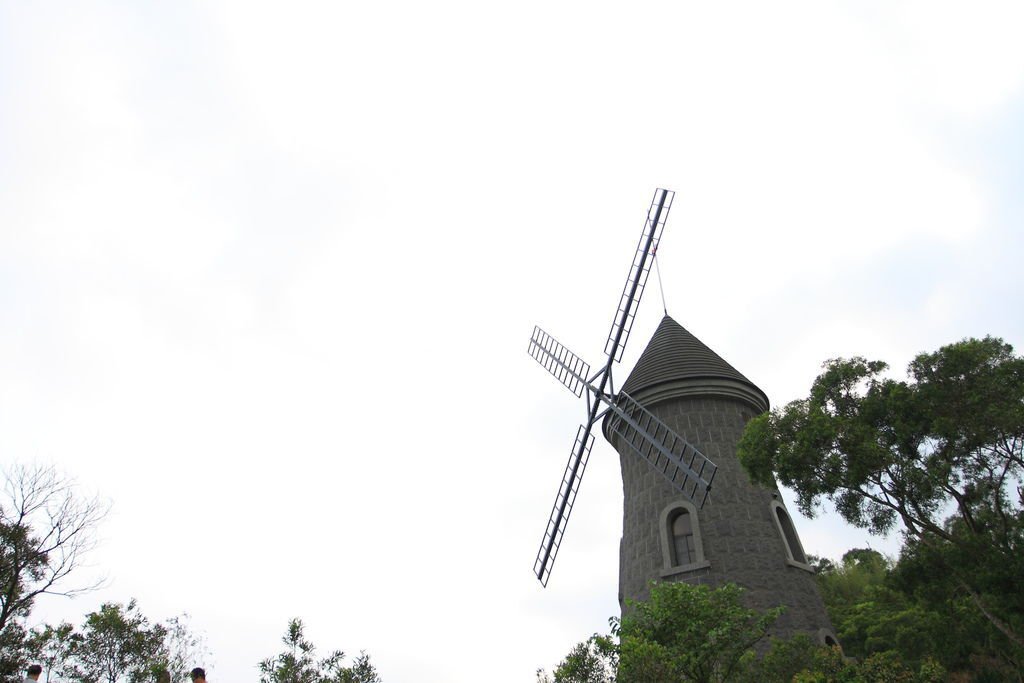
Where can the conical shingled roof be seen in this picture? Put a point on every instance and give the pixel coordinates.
(675, 355)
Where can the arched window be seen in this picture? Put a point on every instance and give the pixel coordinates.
(794, 551)
(828, 638)
(682, 550)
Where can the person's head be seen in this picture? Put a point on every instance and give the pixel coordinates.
(198, 675)
(34, 671)
(163, 676)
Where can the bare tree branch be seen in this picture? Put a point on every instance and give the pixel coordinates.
(46, 529)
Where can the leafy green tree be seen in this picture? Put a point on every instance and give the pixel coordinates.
(13, 653)
(181, 649)
(361, 671)
(784, 659)
(681, 634)
(888, 452)
(871, 617)
(846, 583)
(963, 638)
(831, 666)
(298, 663)
(878, 613)
(54, 648)
(115, 643)
(689, 633)
(118, 643)
(593, 661)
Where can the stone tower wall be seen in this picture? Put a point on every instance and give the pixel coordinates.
(740, 537)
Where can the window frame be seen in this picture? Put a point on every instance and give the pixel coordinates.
(665, 522)
(825, 635)
(775, 508)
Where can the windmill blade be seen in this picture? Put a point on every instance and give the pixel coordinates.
(680, 463)
(563, 504)
(566, 366)
(637, 280)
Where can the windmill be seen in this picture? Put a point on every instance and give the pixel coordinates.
(645, 435)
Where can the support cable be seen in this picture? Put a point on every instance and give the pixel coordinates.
(661, 287)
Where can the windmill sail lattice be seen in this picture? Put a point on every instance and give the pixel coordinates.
(566, 366)
(638, 272)
(667, 452)
(671, 455)
(564, 501)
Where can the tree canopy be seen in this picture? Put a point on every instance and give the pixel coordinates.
(298, 663)
(117, 643)
(687, 633)
(696, 634)
(877, 614)
(595, 660)
(939, 454)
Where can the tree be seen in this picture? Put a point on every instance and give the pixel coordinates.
(298, 663)
(784, 659)
(849, 582)
(873, 617)
(689, 633)
(13, 653)
(181, 648)
(361, 671)
(593, 661)
(961, 637)
(888, 452)
(45, 530)
(118, 642)
(829, 665)
(54, 648)
(682, 633)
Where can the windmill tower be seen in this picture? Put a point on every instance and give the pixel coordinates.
(743, 534)
(681, 411)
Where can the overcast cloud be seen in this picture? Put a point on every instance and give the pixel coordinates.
(267, 275)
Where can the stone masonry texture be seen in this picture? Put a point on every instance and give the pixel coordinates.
(741, 539)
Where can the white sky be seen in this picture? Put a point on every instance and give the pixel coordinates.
(268, 273)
